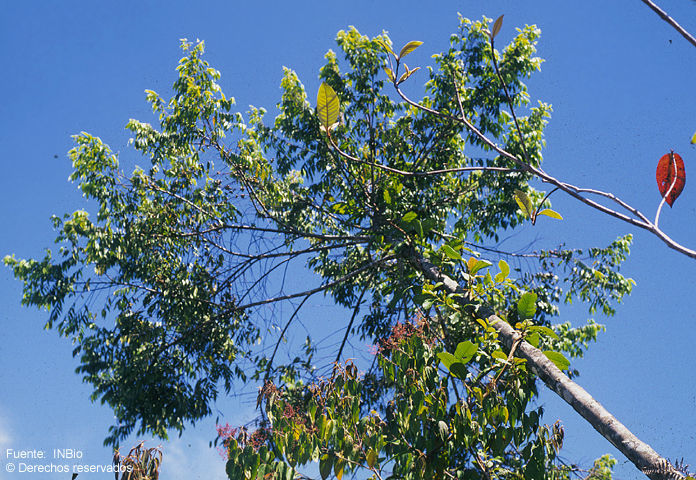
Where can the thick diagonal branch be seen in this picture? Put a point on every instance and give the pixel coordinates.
(638, 452)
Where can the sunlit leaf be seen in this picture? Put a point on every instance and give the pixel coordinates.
(451, 252)
(390, 73)
(409, 47)
(544, 330)
(504, 271)
(338, 468)
(443, 429)
(500, 355)
(671, 177)
(526, 306)
(558, 359)
(409, 217)
(386, 46)
(533, 339)
(447, 359)
(407, 73)
(550, 213)
(474, 265)
(327, 105)
(693, 139)
(465, 351)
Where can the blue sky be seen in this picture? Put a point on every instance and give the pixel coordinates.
(621, 84)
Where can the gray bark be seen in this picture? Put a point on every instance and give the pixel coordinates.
(647, 460)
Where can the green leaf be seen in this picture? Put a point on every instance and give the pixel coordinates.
(338, 468)
(533, 339)
(409, 217)
(524, 203)
(390, 73)
(550, 213)
(447, 359)
(387, 197)
(474, 265)
(504, 271)
(544, 331)
(451, 252)
(558, 359)
(497, 26)
(526, 306)
(327, 105)
(409, 47)
(499, 354)
(458, 369)
(466, 351)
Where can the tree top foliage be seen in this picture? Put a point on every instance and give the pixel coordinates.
(169, 289)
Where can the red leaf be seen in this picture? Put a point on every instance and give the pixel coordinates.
(670, 174)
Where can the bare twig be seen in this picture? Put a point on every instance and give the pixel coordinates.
(428, 173)
(572, 190)
(663, 15)
(321, 287)
(356, 309)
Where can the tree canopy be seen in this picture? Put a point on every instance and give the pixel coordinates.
(168, 287)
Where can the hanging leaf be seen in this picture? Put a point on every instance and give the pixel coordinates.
(550, 213)
(390, 73)
(671, 176)
(338, 468)
(558, 359)
(524, 203)
(371, 458)
(544, 330)
(451, 252)
(409, 47)
(327, 105)
(693, 139)
(497, 26)
(386, 46)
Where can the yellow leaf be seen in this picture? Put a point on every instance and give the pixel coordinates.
(407, 74)
(409, 47)
(524, 202)
(693, 139)
(371, 458)
(550, 213)
(327, 105)
(386, 46)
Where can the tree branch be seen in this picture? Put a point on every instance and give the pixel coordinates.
(635, 450)
(663, 15)
(571, 190)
